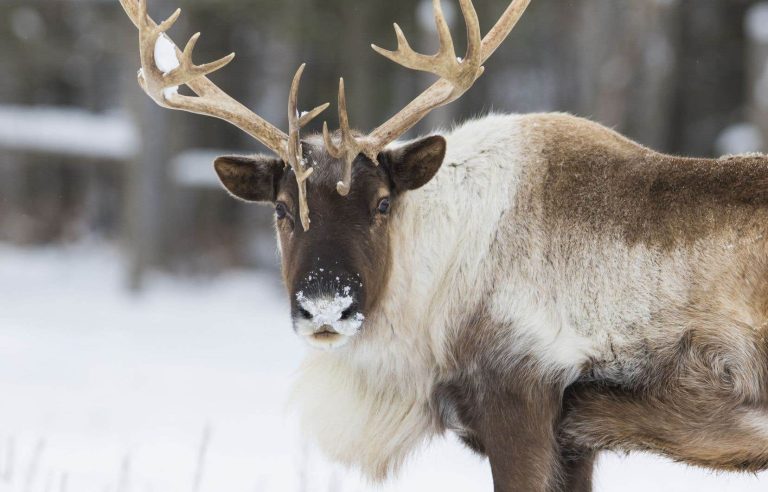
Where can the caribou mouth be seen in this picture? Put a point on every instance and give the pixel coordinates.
(324, 331)
(326, 338)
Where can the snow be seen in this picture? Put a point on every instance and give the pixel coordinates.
(67, 131)
(194, 167)
(741, 138)
(165, 55)
(169, 92)
(328, 311)
(757, 22)
(761, 88)
(187, 384)
(166, 61)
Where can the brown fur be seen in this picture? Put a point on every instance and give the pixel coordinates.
(700, 376)
(691, 424)
(512, 420)
(605, 182)
(691, 407)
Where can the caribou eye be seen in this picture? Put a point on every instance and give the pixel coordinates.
(383, 207)
(281, 211)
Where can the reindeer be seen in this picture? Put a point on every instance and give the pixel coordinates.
(538, 284)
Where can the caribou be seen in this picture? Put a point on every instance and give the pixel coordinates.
(537, 284)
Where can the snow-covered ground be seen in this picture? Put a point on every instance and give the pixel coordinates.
(184, 388)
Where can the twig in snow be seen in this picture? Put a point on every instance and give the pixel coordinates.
(63, 482)
(334, 483)
(123, 481)
(201, 456)
(34, 465)
(304, 467)
(48, 487)
(9, 460)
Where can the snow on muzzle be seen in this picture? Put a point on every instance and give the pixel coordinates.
(326, 313)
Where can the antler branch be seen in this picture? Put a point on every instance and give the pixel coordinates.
(457, 75)
(295, 155)
(349, 147)
(161, 84)
(210, 99)
(461, 73)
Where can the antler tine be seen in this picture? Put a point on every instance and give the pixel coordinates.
(170, 21)
(348, 142)
(474, 35)
(503, 27)
(445, 64)
(329, 145)
(443, 30)
(294, 156)
(306, 118)
(188, 70)
(349, 147)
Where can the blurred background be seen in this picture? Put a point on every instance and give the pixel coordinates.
(141, 317)
(85, 154)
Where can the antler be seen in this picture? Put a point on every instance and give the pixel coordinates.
(164, 68)
(349, 147)
(457, 75)
(294, 155)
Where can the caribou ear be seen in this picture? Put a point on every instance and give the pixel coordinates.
(253, 179)
(412, 166)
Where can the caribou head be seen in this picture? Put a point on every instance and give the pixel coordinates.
(335, 195)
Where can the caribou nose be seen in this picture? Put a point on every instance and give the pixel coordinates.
(327, 305)
(327, 320)
(335, 312)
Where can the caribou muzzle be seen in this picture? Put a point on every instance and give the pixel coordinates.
(326, 307)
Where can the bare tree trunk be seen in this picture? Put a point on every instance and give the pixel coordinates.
(147, 182)
(145, 206)
(757, 66)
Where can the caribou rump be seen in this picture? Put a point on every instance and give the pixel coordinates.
(538, 284)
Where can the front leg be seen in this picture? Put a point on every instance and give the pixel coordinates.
(576, 470)
(517, 428)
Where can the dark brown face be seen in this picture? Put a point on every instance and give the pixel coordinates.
(337, 271)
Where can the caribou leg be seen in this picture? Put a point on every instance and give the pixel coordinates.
(517, 429)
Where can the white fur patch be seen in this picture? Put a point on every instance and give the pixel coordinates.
(757, 421)
(359, 418)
